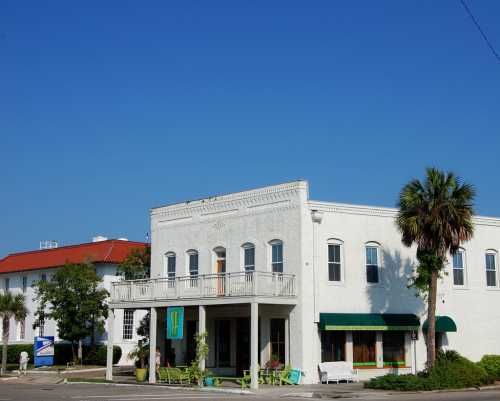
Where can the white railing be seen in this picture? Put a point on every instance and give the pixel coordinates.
(238, 284)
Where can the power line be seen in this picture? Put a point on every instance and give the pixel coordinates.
(497, 56)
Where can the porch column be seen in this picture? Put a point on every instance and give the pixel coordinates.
(349, 349)
(202, 328)
(109, 347)
(379, 350)
(254, 345)
(152, 345)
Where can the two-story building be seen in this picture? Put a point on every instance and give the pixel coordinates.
(271, 274)
(19, 272)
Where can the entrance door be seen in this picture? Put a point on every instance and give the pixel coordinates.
(220, 269)
(242, 345)
(191, 328)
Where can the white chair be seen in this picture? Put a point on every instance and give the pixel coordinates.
(337, 371)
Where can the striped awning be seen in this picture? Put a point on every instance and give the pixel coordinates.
(368, 321)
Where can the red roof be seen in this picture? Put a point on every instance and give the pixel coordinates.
(109, 251)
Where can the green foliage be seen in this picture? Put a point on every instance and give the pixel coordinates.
(73, 299)
(92, 355)
(451, 371)
(194, 371)
(11, 306)
(143, 328)
(491, 363)
(140, 354)
(427, 262)
(136, 265)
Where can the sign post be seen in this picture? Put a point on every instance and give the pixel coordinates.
(44, 351)
(175, 322)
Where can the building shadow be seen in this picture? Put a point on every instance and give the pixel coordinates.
(392, 294)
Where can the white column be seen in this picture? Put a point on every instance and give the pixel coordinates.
(152, 345)
(254, 344)
(202, 328)
(349, 349)
(109, 352)
(379, 350)
(408, 351)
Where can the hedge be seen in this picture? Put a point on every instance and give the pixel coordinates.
(451, 371)
(491, 363)
(92, 355)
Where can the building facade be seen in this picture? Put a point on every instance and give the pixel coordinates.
(20, 271)
(273, 275)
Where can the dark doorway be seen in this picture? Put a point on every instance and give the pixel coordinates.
(169, 353)
(242, 345)
(222, 343)
(191, 328)
(278, 340)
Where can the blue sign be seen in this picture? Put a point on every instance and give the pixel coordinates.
(175, 322)
(44, 351)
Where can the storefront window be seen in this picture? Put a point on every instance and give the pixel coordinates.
(364, 348)
(332, 346)
(394, 348)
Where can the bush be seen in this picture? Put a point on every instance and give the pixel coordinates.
(451, 370)
(491, 363)
(95, 355)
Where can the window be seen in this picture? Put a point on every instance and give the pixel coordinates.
(7, 284)
(277, 256)
(364, 348)
(128, 324)
(44, 277)
(335, 261)
(491, 269)
(393, 343)
(249, 257)
(193, 263)
(170, 256)
(41, 327)
(21, 334)
(278, 340)
(25, 284)
(458, 267)
(332, 346)
(372, 263)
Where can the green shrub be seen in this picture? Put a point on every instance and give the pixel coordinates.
(491, 363)
(95, 355)
(451, 370)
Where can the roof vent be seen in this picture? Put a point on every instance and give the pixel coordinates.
(123, 239)
(48, 244)
(99, 238)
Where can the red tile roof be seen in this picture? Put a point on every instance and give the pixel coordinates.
(109, 251)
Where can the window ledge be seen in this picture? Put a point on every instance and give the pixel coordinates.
(336, 283)
(460, 287)
(492, 288)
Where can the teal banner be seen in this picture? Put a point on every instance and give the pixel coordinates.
(175, 322)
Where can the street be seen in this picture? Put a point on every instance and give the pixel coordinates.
(11, 391)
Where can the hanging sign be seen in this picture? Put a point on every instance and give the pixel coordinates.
(44, 351)
(175, 322)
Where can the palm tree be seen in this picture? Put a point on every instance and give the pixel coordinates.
(436, 215)
(10, 306)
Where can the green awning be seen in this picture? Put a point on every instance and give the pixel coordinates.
(368, 321)
(443, 324)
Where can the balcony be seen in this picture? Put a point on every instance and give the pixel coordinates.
(207, 286)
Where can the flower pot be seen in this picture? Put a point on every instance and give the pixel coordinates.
(140, 374)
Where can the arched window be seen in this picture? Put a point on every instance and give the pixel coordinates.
(248, 256)
(372, 251)
(335, 259)
(459, 267)
(193, 262)
(276, 255)
(491, 268)
(170, 262)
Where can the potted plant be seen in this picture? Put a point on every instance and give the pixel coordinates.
(140, 354)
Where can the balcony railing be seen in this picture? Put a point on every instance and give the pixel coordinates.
(238, 284)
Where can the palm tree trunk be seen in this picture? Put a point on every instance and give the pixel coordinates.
(431, 319)
(5, 340)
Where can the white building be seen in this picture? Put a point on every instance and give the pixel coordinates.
(270, 273)
(19, 272)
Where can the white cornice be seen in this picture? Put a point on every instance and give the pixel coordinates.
(382, 211)
(255, 198)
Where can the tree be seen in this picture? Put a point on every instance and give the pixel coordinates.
(436, 216)
(136, 265)
(73, 299)
(11, 306)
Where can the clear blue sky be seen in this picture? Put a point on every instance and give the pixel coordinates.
(108, 108)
